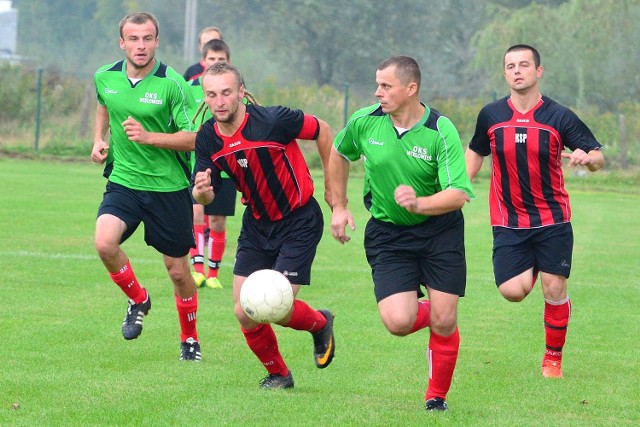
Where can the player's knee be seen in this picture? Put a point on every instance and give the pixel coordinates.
(106, 249)
(398, 325)
(513, 295)
(443, 323)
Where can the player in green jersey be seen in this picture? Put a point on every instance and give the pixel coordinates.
(213, 216)
(415, 187)
(143, 104)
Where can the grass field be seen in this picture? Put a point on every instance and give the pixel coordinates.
(63, 361)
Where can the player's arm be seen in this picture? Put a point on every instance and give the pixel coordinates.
(440, 203)
(100, 148)
(474, 163)
(338, 177)
(325, 142)
(179, 141)
(593, 160)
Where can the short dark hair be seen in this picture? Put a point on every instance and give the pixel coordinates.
(407, 69)
(216, 45)
(222, 68)
(139, 18)
(518, 47)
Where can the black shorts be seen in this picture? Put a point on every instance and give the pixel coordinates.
(548, 249)
(288, 245)
(167, 216)
(402, 258)
(224, 203)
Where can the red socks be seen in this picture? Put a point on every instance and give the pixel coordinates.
(264, 344)
(556, 320)
(216, 244)
(197, 253)
(443, 354)
(187, 308)
(423, 318)
(126, 279)
(305, 318)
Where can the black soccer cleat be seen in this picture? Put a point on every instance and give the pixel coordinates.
(276, 381)
(190, 350)
(324, 345)
(132, 324)
(436, 404)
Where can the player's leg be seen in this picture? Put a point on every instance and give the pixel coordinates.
(223, 205)
(118, 218)
(215, 246)
(186, 297)
(514, 263)
(554, 250)
(254, 253)
(168, 224)
(197, 253)
(297, 240)
(444, 265)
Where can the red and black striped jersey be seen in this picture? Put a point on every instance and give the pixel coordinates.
(527, 184)
(262, 158)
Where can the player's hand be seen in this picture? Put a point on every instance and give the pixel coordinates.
(340, 217)
(405, 196)
(99, 152)
(578, 157)
(135, 132)
(202, 183)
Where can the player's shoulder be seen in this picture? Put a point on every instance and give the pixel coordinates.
(112, 66)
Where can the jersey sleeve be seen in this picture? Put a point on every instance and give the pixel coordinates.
(575, 134)
(346, 142)
(204, 152)
(181, 103)
(480, 142)
(452, 169)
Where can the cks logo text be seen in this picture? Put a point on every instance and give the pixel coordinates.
(521, 138)
(243, 163)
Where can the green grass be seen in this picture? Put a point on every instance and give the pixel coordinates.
(63, 361)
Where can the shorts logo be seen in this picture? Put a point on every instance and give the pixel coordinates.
(419, 153)
(290, 273)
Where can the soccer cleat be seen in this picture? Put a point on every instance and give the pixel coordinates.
(213, 283)
(190, 350)
(132, 324)
(324, 345)
(276, 381)
(199, 278)
(552, 368)
(436, 404)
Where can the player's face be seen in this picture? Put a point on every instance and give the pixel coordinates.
(213, 57)
(223, 95)
(391, 93)
(520, 70)
(206, 37)
(139, 42)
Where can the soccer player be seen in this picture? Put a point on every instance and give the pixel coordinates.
(143, 103)
(225, 202)
(415, 188)
(526, 133)
(282, 224)
(209, 33)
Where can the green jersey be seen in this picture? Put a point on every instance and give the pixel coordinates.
(159, 102)
(428, 157)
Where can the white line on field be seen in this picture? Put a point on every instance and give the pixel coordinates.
(142, 260)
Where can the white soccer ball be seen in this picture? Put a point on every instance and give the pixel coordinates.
(266, 296)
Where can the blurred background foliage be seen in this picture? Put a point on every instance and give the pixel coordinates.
(321, 57)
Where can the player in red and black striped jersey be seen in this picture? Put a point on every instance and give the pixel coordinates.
(282, 224)
(526, 134)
